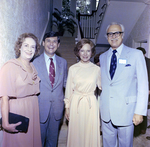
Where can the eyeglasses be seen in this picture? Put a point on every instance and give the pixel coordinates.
(117, 34)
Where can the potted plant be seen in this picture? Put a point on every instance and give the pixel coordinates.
(64, 21)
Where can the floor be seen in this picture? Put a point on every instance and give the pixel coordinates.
(139, 141)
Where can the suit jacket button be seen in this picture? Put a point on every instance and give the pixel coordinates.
(52, 91)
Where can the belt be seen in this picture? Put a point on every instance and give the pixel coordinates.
(84, 95)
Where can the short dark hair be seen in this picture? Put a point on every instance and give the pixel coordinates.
(142, 49)
(52, 34)
(80, 44)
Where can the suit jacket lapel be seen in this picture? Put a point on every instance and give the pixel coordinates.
(44, 69)
(58, 70)
(108, 58)
(109, 54)
(120, 67)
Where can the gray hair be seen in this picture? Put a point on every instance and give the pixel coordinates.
(115, 23)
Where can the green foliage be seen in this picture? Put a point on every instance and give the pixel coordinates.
(64, 20)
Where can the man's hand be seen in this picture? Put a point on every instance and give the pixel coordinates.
(137, 119)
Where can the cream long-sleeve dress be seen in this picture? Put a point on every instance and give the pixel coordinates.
(84, 123)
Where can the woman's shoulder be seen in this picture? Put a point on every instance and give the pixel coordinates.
(94, 65)
(13, 66)
(74, 68)
(74, 65)
(9, 69)
(82, 65)
(10, 64)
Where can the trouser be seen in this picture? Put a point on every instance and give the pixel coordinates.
(114, 136)
(50, 131)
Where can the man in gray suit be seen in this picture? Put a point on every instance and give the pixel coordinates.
(52, 71)
(124, 97)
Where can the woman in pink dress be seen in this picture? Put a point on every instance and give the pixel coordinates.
(82, 110)
(19, 86)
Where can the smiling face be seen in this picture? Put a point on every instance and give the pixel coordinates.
(50, 45)
(27, 49)
(115, 40)
(85, 53)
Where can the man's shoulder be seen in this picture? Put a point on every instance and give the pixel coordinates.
(133, 50)
(75, 65)
(38, 58)
(103, 54)
(61, 59)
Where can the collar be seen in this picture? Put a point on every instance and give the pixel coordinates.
(119, 49)
(47, 57)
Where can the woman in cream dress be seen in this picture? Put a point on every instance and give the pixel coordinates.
(82, 110)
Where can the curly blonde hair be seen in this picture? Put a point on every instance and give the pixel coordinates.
(20, 41)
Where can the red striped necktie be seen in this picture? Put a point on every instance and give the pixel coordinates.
(52, 72)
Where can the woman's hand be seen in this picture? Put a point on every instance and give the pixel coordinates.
(11, 127)
(5, 112)
(67, 113)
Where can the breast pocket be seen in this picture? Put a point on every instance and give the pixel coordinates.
(129, 71)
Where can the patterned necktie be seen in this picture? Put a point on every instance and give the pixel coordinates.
(52, 72)
(113, 64)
